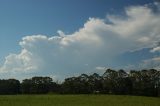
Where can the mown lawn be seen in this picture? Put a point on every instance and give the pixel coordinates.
(77, 100)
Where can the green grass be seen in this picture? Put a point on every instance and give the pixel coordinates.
(77, 100)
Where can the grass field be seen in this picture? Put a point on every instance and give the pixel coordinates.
(77, 100)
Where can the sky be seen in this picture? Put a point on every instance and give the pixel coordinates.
(62, 38)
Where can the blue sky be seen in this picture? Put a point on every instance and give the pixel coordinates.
(43, 18)
(28, 17)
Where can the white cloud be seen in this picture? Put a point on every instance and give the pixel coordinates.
(155, 49)
(20, 62)
(95, 44)
(151, 63)
(101, 68)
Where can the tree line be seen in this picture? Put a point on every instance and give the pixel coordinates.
(143, 82)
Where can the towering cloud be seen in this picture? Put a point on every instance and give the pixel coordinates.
(94, 45)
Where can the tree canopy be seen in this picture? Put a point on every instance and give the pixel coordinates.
(143, 82)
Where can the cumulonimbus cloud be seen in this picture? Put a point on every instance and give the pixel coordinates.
(95, 44)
